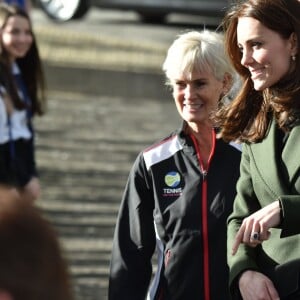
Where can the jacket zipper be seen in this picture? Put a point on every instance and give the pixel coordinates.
(204, 214)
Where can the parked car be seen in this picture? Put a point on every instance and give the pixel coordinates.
(150, 10)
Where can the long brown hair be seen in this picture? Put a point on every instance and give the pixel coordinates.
(32, 265)
(248, 116)
(30, 66)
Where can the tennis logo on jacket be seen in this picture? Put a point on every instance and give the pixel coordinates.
(172, 180)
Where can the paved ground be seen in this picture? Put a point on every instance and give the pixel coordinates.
(98, 119)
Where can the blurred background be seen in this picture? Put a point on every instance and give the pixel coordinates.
(106, 102)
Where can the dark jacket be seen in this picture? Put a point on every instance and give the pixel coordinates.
(172, 203)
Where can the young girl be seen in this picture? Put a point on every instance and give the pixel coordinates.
(21, 97)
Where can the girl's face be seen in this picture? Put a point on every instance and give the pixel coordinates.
(265, 53)
(17, 37)
(197, 97)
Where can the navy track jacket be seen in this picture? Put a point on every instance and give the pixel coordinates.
(173, 205)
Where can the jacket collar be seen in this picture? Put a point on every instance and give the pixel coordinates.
(290, 154)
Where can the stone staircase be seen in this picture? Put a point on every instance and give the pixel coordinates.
(86, 145)
(100, 115)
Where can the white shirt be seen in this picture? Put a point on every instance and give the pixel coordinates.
(18, 119)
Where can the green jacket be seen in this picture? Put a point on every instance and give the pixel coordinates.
(266, 176)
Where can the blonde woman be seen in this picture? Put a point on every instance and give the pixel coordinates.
(181, 189)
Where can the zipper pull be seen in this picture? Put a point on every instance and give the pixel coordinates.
(204, 174)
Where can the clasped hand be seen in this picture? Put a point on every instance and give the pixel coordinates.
(254, 285)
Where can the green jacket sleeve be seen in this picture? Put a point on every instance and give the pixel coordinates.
(245, 204)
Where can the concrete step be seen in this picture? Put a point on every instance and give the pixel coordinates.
(106, 102)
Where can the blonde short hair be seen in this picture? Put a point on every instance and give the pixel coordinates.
(197, 51)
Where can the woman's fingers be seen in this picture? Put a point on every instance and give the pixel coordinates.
(237, 241)
(255, 228)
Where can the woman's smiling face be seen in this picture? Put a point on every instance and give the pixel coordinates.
(265, 53)
(197, 96)
(17, 36)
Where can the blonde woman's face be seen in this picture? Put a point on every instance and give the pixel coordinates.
(265, 53)
(17, 37)
(196, 97)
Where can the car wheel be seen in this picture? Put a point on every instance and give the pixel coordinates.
(154, 18)
(64, 10)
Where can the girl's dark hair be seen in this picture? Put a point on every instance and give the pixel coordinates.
(247, 117)
(32, 264)
(30, 66)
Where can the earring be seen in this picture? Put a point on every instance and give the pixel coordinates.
(293, 57)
